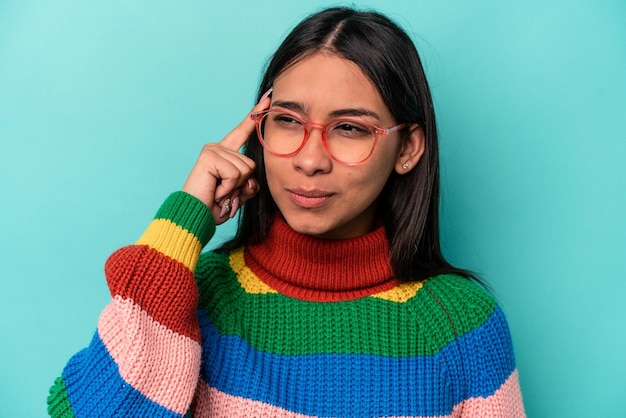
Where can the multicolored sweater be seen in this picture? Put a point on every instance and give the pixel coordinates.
(293, 327)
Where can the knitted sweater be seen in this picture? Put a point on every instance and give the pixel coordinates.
(293, 327)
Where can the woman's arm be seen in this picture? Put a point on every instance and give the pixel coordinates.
(491, 375)
(144, 359)
(479, 358)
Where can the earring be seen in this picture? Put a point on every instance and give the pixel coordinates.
(405, 165)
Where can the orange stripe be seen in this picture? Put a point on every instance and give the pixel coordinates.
(163, 287)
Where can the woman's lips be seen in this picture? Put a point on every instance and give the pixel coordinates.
(309, 199)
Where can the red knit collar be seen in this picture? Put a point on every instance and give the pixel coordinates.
(316, 269)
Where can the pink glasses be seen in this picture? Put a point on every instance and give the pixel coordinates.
(348, 140)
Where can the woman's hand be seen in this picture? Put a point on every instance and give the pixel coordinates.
(221, 178)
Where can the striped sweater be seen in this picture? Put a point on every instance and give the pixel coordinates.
(293, 327)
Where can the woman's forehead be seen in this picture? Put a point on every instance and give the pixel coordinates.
(330, 83)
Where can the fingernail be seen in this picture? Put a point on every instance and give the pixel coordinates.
(235, 207)
(252, 185)
(266, 94)
(225, 208)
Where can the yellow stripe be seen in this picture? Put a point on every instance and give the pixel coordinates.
(400, 293)
(173, 241)
(248, 280)
(253, 285)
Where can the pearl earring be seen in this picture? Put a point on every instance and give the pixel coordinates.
(405, 165)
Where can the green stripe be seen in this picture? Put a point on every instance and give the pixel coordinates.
(189, 213)
(58, 401)
(283, 325)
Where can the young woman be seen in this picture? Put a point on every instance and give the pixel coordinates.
(334, 298)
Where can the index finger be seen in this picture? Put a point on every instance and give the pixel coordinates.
(239, 136)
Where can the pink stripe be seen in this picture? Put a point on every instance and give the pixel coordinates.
(161, 364)
(505, 402)
(210, 402)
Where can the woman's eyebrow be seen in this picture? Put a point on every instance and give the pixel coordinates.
(289, 105)
(357, 111)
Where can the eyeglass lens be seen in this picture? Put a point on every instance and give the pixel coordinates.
(346, 140)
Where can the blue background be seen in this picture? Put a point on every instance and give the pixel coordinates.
(104, 107)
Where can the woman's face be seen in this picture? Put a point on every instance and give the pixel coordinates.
(315, 194)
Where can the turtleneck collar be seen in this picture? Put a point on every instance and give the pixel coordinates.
(316, 269)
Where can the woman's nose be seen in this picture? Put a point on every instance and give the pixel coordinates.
(313, 157)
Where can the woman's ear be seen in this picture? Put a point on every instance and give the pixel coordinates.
(411, 150)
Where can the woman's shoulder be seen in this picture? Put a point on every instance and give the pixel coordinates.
(465, 303)
(212, 261)
(454, 289)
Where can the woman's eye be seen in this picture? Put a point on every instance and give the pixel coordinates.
(351, 129)
(286, 120)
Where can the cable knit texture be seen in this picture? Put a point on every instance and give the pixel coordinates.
(292, 327)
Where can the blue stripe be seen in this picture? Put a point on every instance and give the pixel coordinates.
(96, 389)
(477, 364)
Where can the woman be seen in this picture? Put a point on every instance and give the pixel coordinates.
(334, 298)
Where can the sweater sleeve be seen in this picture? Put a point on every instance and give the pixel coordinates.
(490, 374)
(482, 371)
(144, 358)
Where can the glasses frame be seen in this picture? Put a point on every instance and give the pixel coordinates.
(308, 126)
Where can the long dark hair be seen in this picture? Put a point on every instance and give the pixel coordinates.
(386, 54)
